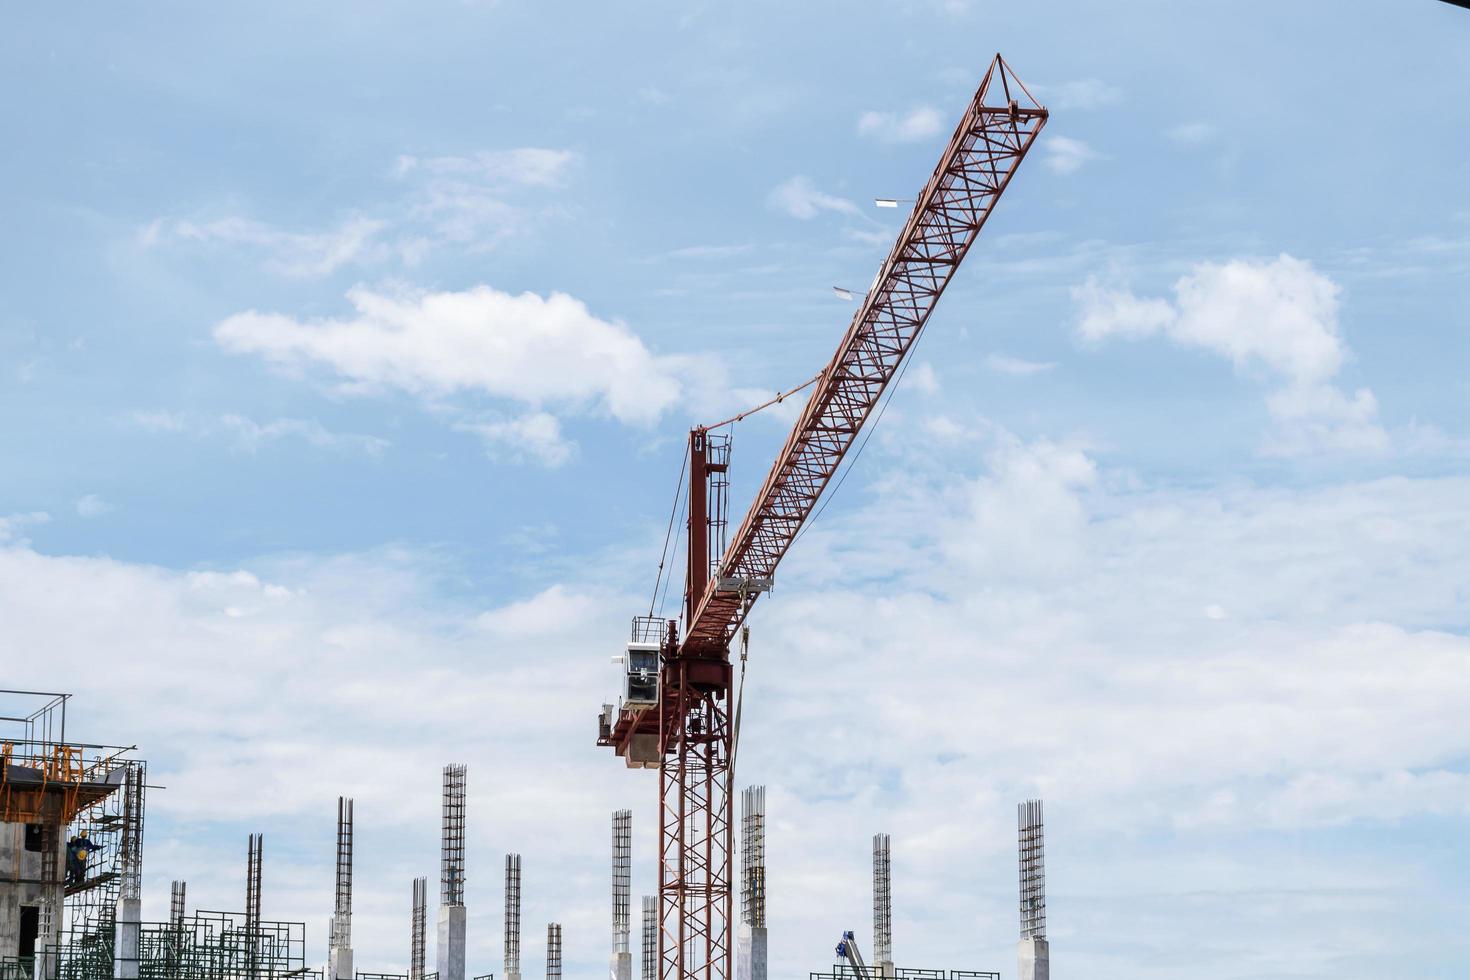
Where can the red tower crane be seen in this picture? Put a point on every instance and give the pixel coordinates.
(676, 713)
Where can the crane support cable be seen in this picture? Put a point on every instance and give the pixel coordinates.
(1000, 125)
(669, 531)
(767, 404)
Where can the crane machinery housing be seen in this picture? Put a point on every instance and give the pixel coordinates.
(675, 712)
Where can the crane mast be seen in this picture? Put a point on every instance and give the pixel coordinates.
(684, 726)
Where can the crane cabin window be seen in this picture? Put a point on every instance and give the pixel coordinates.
(640, 686)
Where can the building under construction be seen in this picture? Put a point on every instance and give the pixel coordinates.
(71, 857)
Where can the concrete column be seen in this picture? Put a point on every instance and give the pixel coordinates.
(125, 938)
(451, 942)
(1034, 956)
(750, 952)
(47, 960)
(621, 967)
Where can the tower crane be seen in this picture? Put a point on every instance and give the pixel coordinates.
(675, 713)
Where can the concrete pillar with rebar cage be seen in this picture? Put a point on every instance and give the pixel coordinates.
(882, 907)
(621, 965)
(339, 955)
(451, 877)
(512, 917)
(750, 932)
(1033, 953)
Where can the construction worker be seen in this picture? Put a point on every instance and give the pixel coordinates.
(77, 850)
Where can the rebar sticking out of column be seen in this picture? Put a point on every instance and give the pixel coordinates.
(1032, 847)
(648, 966)
(512, 917)
(882, 901)
(130, 853)
(255, 857)
(451, 862)
(553, 951)
(753, 856)
(417, 942)
(342, 906)
(176, 896)
(622, 876)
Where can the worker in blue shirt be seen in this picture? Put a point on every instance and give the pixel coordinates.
(77, 851)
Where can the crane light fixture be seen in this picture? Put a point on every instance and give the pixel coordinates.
(843, 293)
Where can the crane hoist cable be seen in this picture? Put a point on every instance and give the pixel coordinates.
(739, 697)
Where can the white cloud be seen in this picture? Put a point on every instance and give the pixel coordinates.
(1006, 364)
(534, 350)
(528, 166)
(248, 435)
(922, 377)
(919, 123)
(475, 201)
(1277, 316)
(800, 199)
(536, 436)
(92, 505)
(298, 255)
(12, 524)
(1065, 155)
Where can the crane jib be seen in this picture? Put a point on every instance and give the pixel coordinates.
(998, 128)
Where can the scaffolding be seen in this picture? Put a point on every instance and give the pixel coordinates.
(80, 806)
(844, 971)
(203, 946)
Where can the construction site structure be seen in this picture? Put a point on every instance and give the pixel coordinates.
(750, 934)
(339, 950)
(451, 948)
(621, 966)
(553, 951)
(254, 877)
(1033, 953)
(882, 907)
(512, 917)
(71, 839)
(683, 724)
(417, 925)
(648, 965)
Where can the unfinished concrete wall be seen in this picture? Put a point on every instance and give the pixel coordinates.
(24, 897)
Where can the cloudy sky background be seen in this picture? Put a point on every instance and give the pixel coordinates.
(346, 355)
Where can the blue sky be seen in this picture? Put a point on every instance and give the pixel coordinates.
(346, 354)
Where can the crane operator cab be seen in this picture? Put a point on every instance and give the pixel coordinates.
(640, 673)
